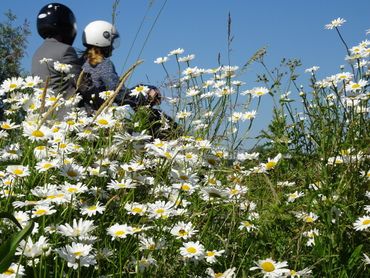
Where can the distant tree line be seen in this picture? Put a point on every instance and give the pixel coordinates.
(13, 42)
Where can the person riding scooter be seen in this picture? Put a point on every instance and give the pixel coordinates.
(56, 24)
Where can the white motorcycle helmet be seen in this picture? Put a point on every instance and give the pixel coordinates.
(100, 33)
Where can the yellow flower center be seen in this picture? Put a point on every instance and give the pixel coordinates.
(137, 210)
(47, 165)
(309, 219)
(140, 88)
(247, 223)
(40, 212)
(136, 229)
(9, 271)
(18, 172)
(160, 211)
(121, 185)
(70, 122)
(13, 86)
(72, 190)
(268, 266)
(189, 156)
(184, 177)
(182, 232)
(270, 165)
(366, 222)
(185, 187)
(102, 122)
(72, 173)
(220, 154)
(212, 181)
(160, 144)
(119, 233)
(210, 253)
(92, 208)
(355, 86)
(77, 254)
(191, 250)
(38, 133)
(218, 274)
(168, 155)
(6, 126)
(234, 191)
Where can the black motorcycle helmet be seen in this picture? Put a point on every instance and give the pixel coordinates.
(57, 21)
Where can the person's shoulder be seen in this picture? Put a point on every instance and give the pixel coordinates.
(51, 45)
(107, 64)
(55, 43)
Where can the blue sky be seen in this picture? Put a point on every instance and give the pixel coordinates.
(288, 28)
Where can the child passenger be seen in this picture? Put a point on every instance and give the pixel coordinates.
(100, 39)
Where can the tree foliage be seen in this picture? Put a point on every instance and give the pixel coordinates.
(13, 42)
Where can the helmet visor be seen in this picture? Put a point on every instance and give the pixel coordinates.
(116, 41)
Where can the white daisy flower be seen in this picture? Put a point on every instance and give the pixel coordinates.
(192, 250)
(63, 68)
(139, 90)
(362, 223)
(211, 256)
(13, 271)
(77, 255)
(161, 209)
(18, 170)
(93, 210)
(161, 60)
(271, 268)
(81, 228)
(120, 231)
(183, 230)
(335, 23)
(135, 208)
(41, 210)
(177, 51)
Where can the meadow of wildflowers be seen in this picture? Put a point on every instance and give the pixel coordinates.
(96, 196)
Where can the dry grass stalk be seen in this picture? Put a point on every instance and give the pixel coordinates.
(48, 113)
(108, 102)
(43, 96)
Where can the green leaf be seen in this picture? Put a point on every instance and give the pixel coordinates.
(352, 262)
(10, 216)
(8, 248)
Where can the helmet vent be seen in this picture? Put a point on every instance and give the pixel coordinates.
(106, 35)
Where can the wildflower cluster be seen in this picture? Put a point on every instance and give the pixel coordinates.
(107, 199)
